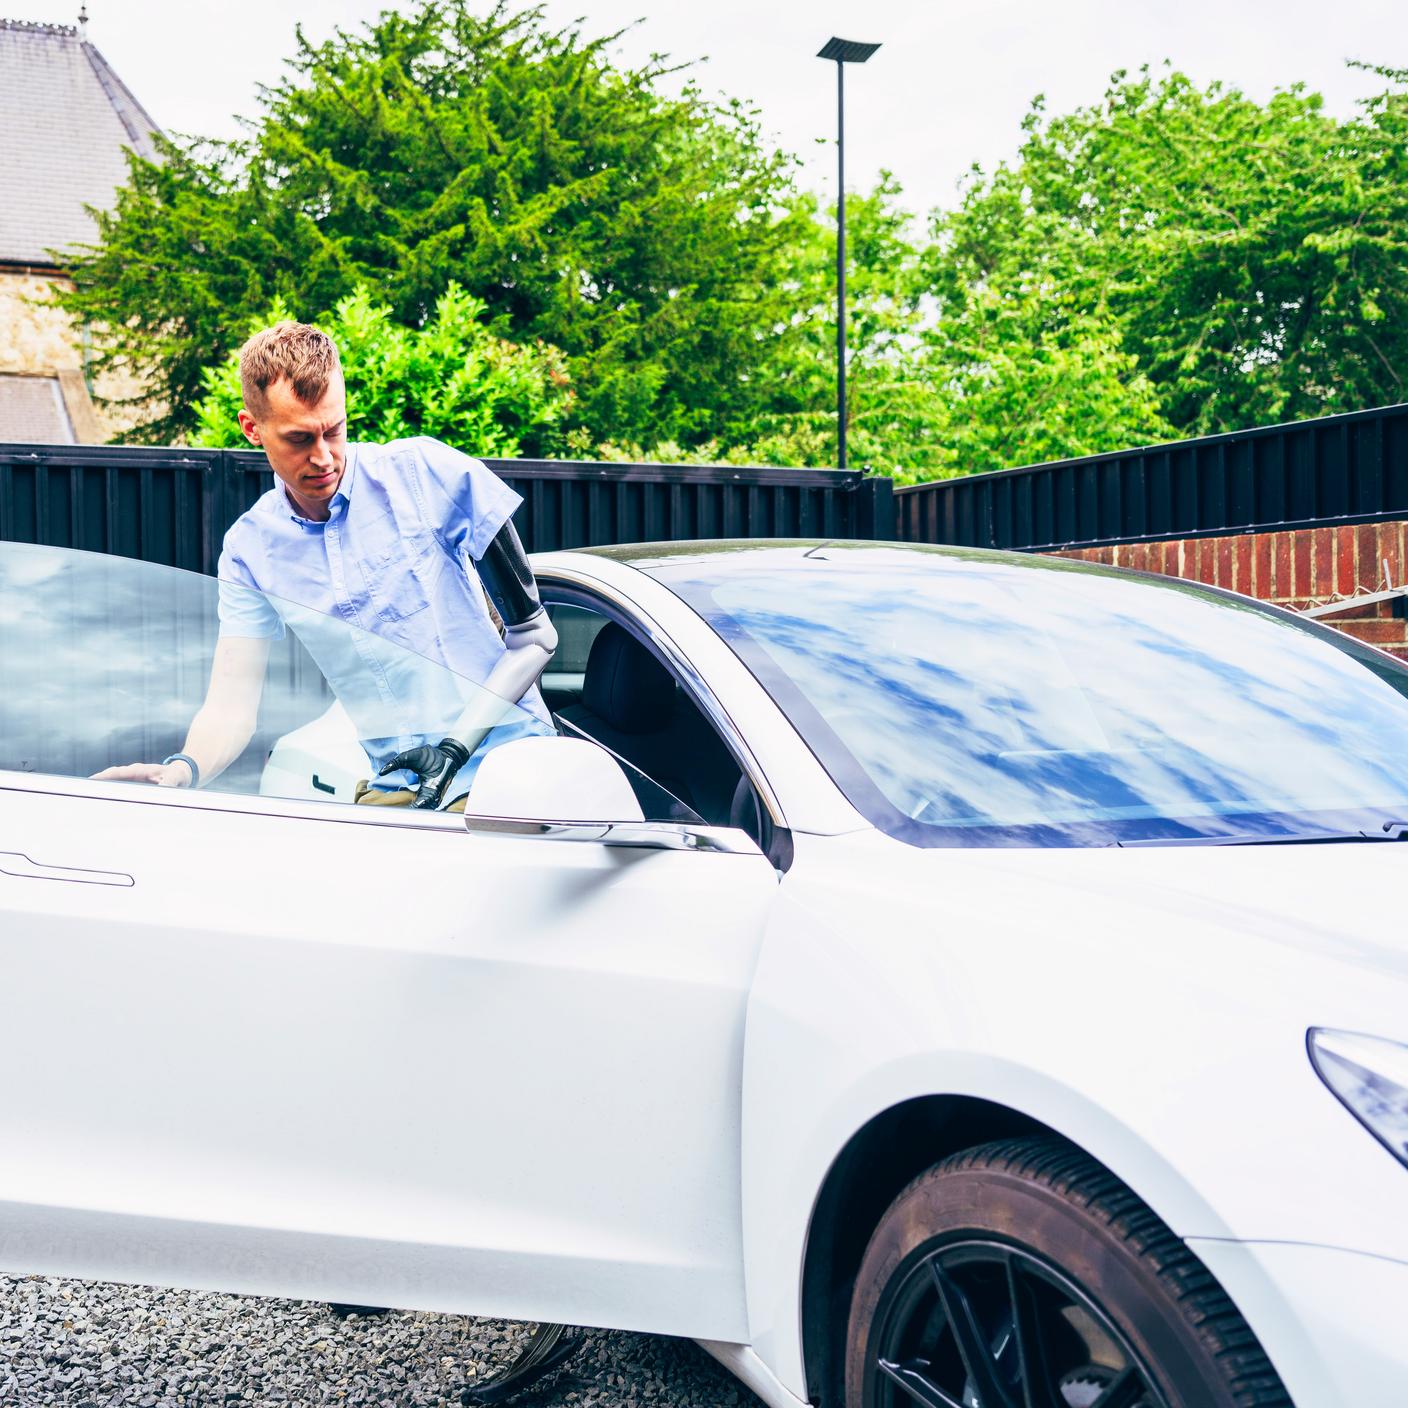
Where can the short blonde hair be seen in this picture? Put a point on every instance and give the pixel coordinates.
(296, 351)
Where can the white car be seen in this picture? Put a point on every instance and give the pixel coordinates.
(975, 980)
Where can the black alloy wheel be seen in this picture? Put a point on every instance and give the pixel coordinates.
(980, 1324)
(1022, 1274)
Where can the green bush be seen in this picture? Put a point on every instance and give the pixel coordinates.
(595, 206)
(453, 379)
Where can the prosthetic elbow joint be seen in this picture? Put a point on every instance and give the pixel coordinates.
(529, 641)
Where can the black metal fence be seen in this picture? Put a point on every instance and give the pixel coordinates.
(1341, 469)
(173, 505)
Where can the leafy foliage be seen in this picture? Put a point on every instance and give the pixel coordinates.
(637, 232)
(195, 245)
(453, 379)
(1020, 383)
(945, 375)
(1253, 258)
(1170, 261)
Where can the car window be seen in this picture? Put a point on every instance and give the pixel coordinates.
(681, 768)
(106, 661)
(968, 698)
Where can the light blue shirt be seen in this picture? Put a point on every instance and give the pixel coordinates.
(384, 594)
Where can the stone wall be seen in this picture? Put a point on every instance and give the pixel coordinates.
(37, 338)
(34, 335)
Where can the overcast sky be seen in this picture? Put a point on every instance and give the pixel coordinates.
(949, 86)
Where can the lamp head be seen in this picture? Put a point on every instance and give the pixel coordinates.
(846, 51)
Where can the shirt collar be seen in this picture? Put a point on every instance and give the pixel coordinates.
(337, 506)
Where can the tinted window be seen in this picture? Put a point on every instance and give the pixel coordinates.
(964, 698)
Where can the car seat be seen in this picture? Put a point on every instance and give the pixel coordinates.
(631, 705)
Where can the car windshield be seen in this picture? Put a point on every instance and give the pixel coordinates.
(106, 661)
(960, 697)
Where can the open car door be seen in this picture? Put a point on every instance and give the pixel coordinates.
(300, 1047)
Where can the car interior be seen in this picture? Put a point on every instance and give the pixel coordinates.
(604, 683)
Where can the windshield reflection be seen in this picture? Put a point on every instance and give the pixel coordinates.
(976, 699)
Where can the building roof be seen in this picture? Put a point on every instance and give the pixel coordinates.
(65, 118)
(32, 409)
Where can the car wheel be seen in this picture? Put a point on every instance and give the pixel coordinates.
(1021, 1274)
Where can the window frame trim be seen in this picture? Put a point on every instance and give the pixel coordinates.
(594, 594)
(287, 808)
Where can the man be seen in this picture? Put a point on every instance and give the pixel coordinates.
(355, 545)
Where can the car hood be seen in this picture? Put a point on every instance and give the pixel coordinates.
(1150, 1004)
(1341, 902)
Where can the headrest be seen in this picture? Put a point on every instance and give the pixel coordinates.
(625, 684)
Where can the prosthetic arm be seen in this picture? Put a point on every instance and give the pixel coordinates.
(529, 641)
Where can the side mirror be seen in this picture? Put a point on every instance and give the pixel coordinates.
(568, 789)
(557, 779)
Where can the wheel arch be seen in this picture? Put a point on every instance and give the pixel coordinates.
(868, 1173)
(874, 1165)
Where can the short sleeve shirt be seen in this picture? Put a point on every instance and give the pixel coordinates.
(395, 561)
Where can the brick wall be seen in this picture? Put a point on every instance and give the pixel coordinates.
(1298, 569)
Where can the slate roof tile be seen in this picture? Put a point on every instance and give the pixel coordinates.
(32, 409)
(65, 118)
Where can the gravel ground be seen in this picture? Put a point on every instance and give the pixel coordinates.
(88, 1344)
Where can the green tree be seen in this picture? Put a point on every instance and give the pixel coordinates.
(891, 413)
(453, 379)
(1252, 257)
(1172, 260)
(638, 232)
(793, 418)
(944, 376)
(1021, 376)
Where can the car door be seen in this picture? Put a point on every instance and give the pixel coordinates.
(297, 1047)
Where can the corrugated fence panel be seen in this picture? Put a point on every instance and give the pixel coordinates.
(159, 505)
(173, 506)
(576, 504)
(1340, 469)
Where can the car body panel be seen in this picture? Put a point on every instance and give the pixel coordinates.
(871, 992)
(1006, 975)
(1330, 1320)
(354, 1061)
(657, 1104)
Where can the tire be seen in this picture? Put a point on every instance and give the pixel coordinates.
(1021, 1274)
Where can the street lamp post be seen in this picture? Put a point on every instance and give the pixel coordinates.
(843, 51)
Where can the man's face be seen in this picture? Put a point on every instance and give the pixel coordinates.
(306, 444)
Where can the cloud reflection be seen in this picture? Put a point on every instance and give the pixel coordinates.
(973, 691)
(105, 660)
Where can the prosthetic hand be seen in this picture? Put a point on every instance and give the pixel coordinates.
(436, 765)
(529, 641)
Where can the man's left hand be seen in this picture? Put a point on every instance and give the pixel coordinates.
(435, 764)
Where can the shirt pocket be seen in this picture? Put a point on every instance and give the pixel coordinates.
(402, 572)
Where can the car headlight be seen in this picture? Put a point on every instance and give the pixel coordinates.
(1370, 1076)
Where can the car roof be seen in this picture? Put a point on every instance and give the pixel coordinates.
(722, 553)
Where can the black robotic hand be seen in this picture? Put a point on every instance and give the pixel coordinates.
(436, 765)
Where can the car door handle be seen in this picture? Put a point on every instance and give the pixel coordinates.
(638, 835)
(19, 866)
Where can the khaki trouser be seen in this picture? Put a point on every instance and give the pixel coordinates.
(402, 798)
